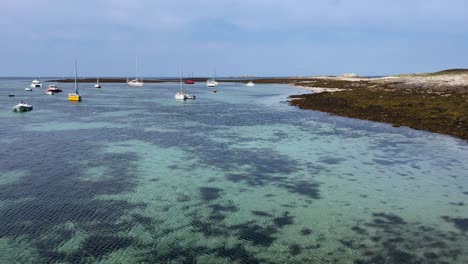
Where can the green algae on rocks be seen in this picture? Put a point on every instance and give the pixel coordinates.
(423, 104)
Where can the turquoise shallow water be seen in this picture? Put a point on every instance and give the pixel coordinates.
(129, 175)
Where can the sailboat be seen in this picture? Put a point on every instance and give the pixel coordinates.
(180, 95)
(212, 82)
(136, 82)
(75, 97)
(97, 85)
(250, 84)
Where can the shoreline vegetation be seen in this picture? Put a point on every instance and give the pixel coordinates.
(436, 102)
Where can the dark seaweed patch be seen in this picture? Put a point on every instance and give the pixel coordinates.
(387, 219)
(210, 193)
(331, 160)
(57, 195)
(258, 235)
(283, 220)
(295, 249)
(306, 231)
(237, 253)
(261, 213)
(97, 245)
(216, 217)
(174, 253)
(397, 241)
(143, 220)
(431, 255)
(460, 223)
(219, 212)
(309, 189)
(207, 228)
(399, 256)
(236, 177)
(359, 230)
(182, 198)
(223, 208)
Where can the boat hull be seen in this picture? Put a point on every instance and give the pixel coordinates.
(135, 83)
(22, 108)
(180, 96)
(74, 97)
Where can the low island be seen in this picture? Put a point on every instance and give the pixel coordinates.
(436, 102)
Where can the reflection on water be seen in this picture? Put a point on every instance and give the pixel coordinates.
(129, 175)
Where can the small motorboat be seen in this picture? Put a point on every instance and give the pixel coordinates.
(191, 97)
(28, 89)
(22, 107)
(36, 84)
(250, 84)
(189, 81)
(11, 95)
(53, 89)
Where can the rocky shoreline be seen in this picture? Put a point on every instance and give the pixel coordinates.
(436, 102)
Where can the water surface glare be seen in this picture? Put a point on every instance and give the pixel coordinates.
(129, 175)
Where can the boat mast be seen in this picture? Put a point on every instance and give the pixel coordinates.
(180, 77)
(136, 66)
(76, 77)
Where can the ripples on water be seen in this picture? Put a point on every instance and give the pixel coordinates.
(129, 175)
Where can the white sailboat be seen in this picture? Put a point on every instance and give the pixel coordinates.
(212, 82)
(135, 82)
(180, 95)
(97, 85)
(250, 84)
(75, 97)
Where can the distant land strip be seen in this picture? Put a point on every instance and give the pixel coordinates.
(436, 102)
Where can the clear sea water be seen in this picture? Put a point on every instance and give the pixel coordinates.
(129, 175)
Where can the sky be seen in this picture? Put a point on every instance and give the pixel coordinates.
(237, 37)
